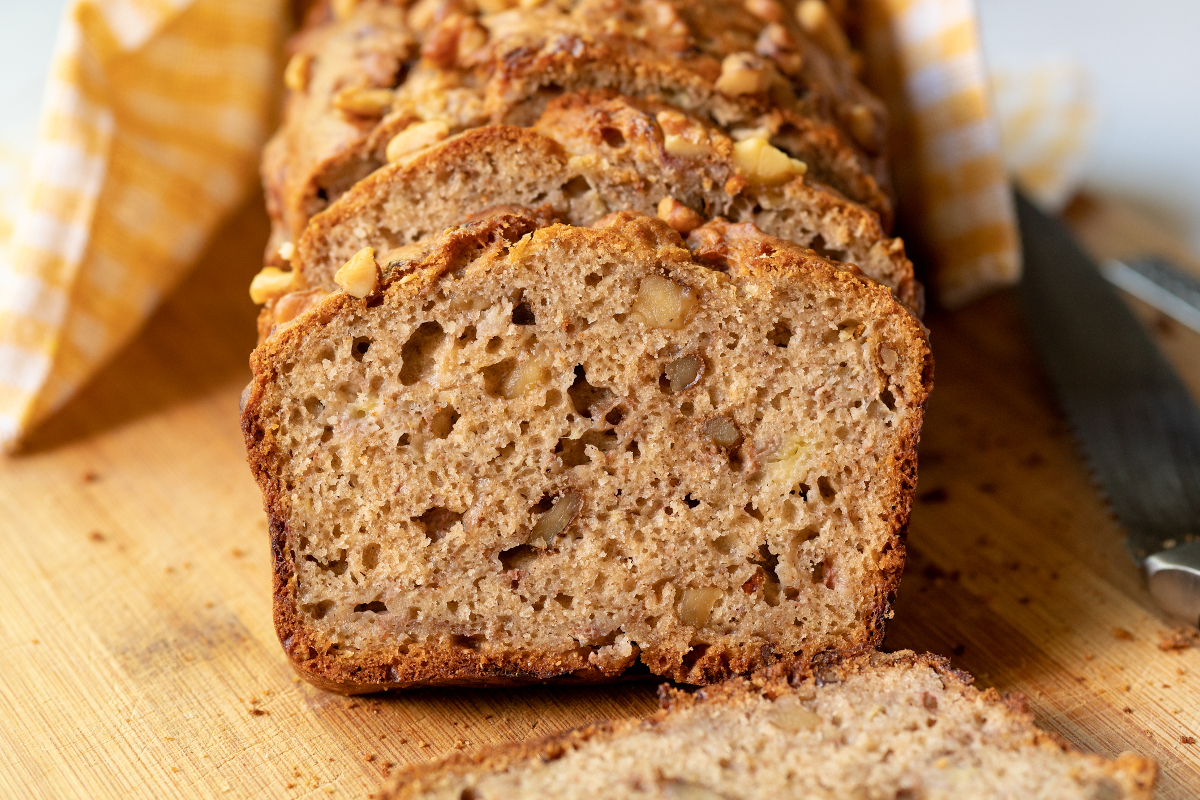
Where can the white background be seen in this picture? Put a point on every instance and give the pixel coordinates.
(1142, 56)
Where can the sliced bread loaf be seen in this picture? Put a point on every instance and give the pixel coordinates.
(589, 154)
(546, 452)
(453, 69)
(873, 728)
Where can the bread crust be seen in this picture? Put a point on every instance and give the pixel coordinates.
(749, 253)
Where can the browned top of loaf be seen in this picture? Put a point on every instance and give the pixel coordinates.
(1128, 776)
(740, 249)
(635, 45)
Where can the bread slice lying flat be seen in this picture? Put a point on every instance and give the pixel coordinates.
(589, 154)
(356, 81)
(553, 452)
(875, 728)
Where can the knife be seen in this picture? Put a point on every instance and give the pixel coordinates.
(1138, 426)
(1159, 283)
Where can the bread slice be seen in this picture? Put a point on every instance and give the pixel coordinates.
(589, 154)
(319, 152)
(880, 726)
(551, 452)
(809, 102)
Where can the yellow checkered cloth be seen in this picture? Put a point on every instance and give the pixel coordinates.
(153, 117)
(156, 110)
(924, 59)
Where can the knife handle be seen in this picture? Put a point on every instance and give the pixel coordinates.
(1161, 284)
(1174, 579)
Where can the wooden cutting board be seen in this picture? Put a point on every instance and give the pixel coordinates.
(138, 657)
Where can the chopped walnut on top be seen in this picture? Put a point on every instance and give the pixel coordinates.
(455, 39)
(776, 43)
(743, 73)
(682, 137)
(416, 137)
(362, 102)
(678, 216)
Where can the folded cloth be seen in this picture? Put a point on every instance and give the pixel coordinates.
(152, 120)
(924, 59)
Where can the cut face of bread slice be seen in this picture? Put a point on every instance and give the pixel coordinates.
(590, 154)
(554, 453)
(336, 76)
(883, 726)
(341, 113)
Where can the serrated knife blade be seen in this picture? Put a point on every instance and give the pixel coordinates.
(1138, 426)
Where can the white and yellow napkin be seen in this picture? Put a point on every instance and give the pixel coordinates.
(153, 117)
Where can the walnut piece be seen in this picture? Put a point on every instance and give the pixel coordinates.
(454, 39)
(286, 251)
(683, 372)
(269, 283)
(722, 431)
(697, 604)
(298, 72)
(360, 102)
(556, 520)
(682, 137)
(743, 73)
(678, 216)
(359, 276)
(789, 714)
(415, 137)
(528, 375)
(662, 303)
(762, 163)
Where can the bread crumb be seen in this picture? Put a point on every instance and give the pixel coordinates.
(237, 552)
(1127, 710)
(1187, 740)
(258, 712)
(369, 757)
(96, 536)
(1177, 639)
(1122, 634)
(459, 744)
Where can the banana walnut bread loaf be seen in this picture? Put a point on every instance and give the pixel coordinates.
(371, 80)
(874, 727)
(539, 451)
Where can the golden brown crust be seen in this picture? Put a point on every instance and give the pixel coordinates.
(750, 253)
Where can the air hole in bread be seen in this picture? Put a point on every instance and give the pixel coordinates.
(586, 398)
(443, 422)
(376, 606)
(576, 187)
(752, 511)
(467, 336)
(404, 440)
(780, 335)
(615, 416)
(370, 556)
(474, 642)
(612, 137)
(691, 501)
(317, 610)
(523, 314)
(437, 522)
(496, 375)
(825, 488)
(593, 280)
(359, 347)
(418, 353)
(888, 399)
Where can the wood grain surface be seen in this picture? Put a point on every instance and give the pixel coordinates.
(138, 659)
